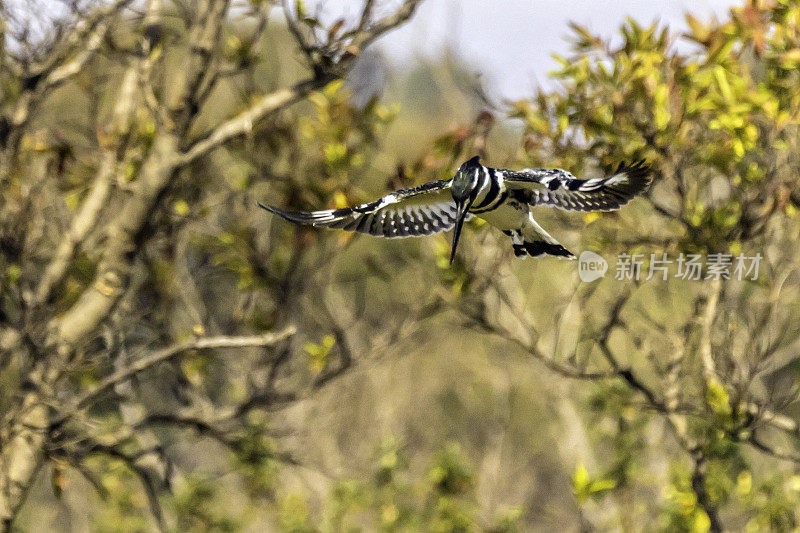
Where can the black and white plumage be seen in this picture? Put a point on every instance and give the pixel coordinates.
(501, 197)
(423, 210)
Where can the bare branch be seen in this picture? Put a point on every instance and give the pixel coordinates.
(89, 32)
(201, 425)
(324, 73)
(90, 209)
(66, 70)
(295, 30)
(482, 320)
(243, 123)
(39, 80)
(362, 39)
(707, 320)
(672, 393)
(776, 420)
(366, 15)
(124, 232)
(149, 482)
(562, 369)
(205, 35)
(166, 354)
(208, 428)
(773, 451)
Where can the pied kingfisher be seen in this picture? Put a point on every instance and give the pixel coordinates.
(500, 197)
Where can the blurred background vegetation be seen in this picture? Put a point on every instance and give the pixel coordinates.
(174, 358)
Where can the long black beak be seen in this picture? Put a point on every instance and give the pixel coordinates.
(461, 214)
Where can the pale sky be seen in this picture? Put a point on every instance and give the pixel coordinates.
(510, 41)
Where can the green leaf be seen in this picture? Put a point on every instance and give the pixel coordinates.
(699, 30)
(318, 353)
(584, 487)
(181, 207)
(73, 199)
(581, 482)
(13, 272)
(300, 8)
(717, 398)
(332, 88)
(335, 152)
(722, 82)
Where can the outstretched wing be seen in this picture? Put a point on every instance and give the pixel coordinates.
(413, 212)
(559, 188)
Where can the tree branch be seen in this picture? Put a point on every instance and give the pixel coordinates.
(763, 447)
(363, 38)
(88, 32)
(324, 73)
(38, 80)
(243, 123)
(707, 320)
(90, 209)
(166, 354)
(703, 498)
(149, 483)
(366, 15)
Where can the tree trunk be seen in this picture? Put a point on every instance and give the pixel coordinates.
(21, 456)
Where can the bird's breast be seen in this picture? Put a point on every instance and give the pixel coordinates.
(509, 215)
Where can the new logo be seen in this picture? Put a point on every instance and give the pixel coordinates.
(591, 266)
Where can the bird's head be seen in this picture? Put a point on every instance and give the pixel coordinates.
(464, 183)
(465, 180)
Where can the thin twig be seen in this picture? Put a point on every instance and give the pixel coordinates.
(166, 354)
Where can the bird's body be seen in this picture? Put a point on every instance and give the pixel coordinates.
(501, 197)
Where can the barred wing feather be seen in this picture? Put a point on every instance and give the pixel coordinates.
(559, 188)
(423, 210)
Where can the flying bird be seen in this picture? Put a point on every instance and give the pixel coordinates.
(501, 197)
